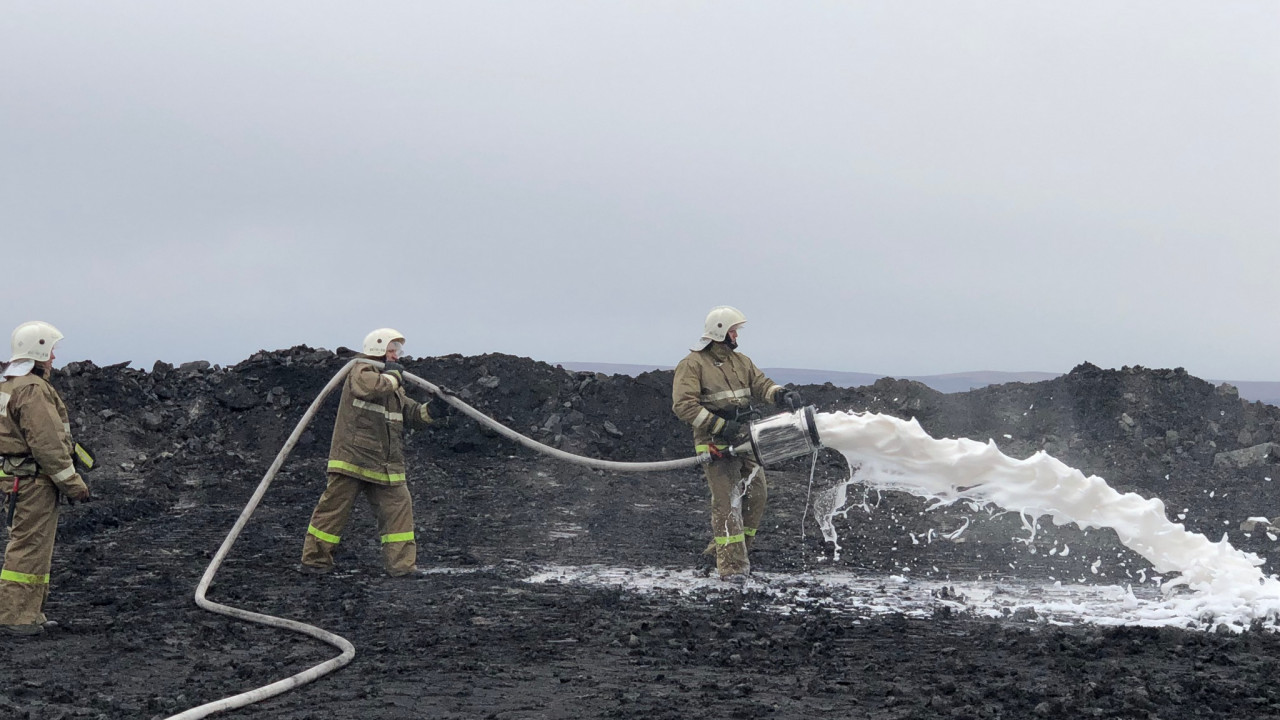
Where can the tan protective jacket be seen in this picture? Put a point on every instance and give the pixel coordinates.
(368, 436)
(34, 429)
(716, 378)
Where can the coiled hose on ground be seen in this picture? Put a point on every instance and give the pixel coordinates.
(348, 650)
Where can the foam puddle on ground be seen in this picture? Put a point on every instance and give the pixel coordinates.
(1225, 585)
(867, 596)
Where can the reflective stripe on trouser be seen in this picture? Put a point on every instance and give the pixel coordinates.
(392, 508)
(735, 506)
(24, 581)
(749, 532)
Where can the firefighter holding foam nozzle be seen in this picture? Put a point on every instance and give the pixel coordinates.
(38, 467)
(714, 390)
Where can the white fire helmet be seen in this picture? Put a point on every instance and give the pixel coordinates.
(34, 341)
(377, 342)
(719, 322)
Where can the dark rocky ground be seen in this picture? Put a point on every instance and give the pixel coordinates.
(181, 450)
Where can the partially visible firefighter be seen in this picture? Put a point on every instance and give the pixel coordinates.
(38, 469)
(366, 457)
(719, 391)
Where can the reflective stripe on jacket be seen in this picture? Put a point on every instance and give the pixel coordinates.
(368, 436)
(34, 427)
(716, 379)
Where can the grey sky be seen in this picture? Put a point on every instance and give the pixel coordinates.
(893, 187)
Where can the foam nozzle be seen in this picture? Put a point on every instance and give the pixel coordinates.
(784, 436)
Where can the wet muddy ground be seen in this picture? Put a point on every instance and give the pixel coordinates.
(183, 451)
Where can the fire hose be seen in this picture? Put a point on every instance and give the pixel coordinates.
(348, 651)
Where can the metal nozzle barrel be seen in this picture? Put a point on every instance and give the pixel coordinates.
(785, 436)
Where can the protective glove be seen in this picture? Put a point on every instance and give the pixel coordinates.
(441, 412)
(395, 370)
(75, 489)
(732, 430)
(788, 398)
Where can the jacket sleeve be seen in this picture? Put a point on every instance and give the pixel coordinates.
(686, 398)
(48, 439)
(415, 413)
(367, 383)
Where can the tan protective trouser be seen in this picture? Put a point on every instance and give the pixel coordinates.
(737, 505)
(24, 581)
(392, 507)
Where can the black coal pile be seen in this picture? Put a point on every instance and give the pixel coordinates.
(181, 449)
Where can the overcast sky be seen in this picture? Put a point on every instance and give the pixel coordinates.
(895, 187)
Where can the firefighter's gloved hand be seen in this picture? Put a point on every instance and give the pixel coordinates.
(732, 430)
(395, 370)
(75, 489)
(789, 399)
(441, 412)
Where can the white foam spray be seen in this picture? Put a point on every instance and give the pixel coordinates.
(886, 453)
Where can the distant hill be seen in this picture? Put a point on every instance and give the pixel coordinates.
(1251, 390)
(1268, 392)
(949, 383)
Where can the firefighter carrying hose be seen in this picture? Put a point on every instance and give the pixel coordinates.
(713, 391)
(36, 447)
(367, 456)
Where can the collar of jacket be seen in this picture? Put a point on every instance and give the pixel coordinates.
(720, 352)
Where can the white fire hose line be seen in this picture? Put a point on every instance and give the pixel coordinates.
(532, 444)
(302, 678)
(348, 650)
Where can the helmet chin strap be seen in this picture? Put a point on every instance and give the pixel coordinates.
(733, 344)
